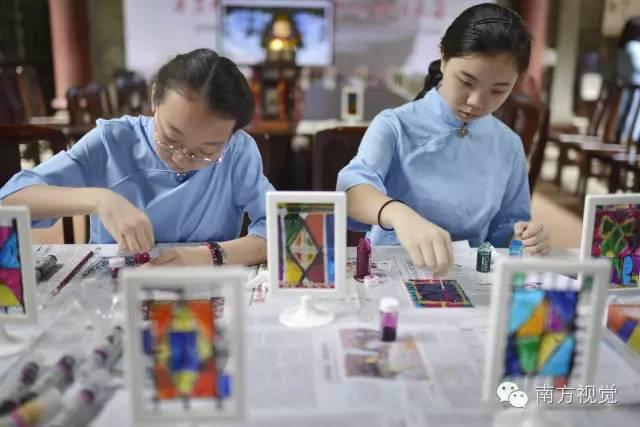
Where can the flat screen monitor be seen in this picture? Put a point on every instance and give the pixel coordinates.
(243, 23)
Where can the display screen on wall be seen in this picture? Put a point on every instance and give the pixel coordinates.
(243, 24)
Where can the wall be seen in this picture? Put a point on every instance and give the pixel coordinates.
(376, 33)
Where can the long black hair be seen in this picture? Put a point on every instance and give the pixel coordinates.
(215, 78)
(484, 29)
(630, 32)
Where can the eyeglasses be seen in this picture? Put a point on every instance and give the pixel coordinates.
(188, 156)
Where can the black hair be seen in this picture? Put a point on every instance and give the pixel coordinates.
(215, 78)
(630, 32)
(484, 29)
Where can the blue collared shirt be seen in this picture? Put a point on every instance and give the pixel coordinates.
(119, 154)
(474, 186)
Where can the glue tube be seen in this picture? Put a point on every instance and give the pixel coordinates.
(32, 413)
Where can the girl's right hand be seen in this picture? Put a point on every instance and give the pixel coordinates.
(427, 244)
(129, 226)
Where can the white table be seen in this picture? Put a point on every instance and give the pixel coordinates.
(300, 377)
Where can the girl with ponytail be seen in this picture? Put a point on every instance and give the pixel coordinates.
(442, 167)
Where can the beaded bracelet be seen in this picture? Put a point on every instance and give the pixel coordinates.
(217, 253)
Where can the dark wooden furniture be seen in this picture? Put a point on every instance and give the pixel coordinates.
(11, 137)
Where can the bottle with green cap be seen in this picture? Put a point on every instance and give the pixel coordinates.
(483, 262)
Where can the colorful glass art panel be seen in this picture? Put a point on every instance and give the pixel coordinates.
(437, 293)
(541, 336)
(306, 248)
(183, 348)
(11, 290)
(616, 235)
(624, 321)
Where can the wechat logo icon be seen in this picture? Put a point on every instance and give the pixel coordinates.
(509, 392)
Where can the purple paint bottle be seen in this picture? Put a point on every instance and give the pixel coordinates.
(142, 258)
(115, 264)
(388, 319)
(363, 259)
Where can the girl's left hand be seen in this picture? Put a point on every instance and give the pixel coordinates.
(535, 238)
(187, 255)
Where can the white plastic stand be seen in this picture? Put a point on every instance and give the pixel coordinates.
(305, 315)
(11, 345)
(531, 416)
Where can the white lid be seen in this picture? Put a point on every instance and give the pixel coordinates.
(117, 262)
(371, 280)
(389, 304)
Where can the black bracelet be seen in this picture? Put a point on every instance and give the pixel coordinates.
(380, 213)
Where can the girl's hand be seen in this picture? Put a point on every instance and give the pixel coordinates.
(187, 255)
(535, 238)
(129, 226)
(427, 244)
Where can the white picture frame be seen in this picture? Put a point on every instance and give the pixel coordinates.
(587, 321)
(19, 218)
(591, 205)
(339, 202)
(200, 283)
(352, 103)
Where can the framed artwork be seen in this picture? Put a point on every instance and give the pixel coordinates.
(17, 271)
(185, 349)
(546, 330)
(611, 229)
(437, 293)
(624, 321)
(306, 242)
(352, 103)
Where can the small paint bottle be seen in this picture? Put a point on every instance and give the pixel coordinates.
(483, 261)
(363, 259)
(516, 248)
(142, 258)
(388, 319)
(115, 264)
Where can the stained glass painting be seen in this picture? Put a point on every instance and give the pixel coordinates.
(616, 235)
(183, 343)
(624, 321)
(186, 361)
(11, 286)
(437, 293)
(545, 327)
(541, 335)
(306, 245)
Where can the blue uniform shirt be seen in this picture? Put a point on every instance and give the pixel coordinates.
(119, 154)
(474, 186)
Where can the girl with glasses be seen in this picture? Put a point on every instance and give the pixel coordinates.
(187, 174)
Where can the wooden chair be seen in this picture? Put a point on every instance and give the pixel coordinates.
(86, 105)
(613, 152)
(276, 153)
(11, 137)
(332, 150)
(601, 129)
(132, 95)
(622, 163)
(11, 106)
(530, 120)
(30, 92)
